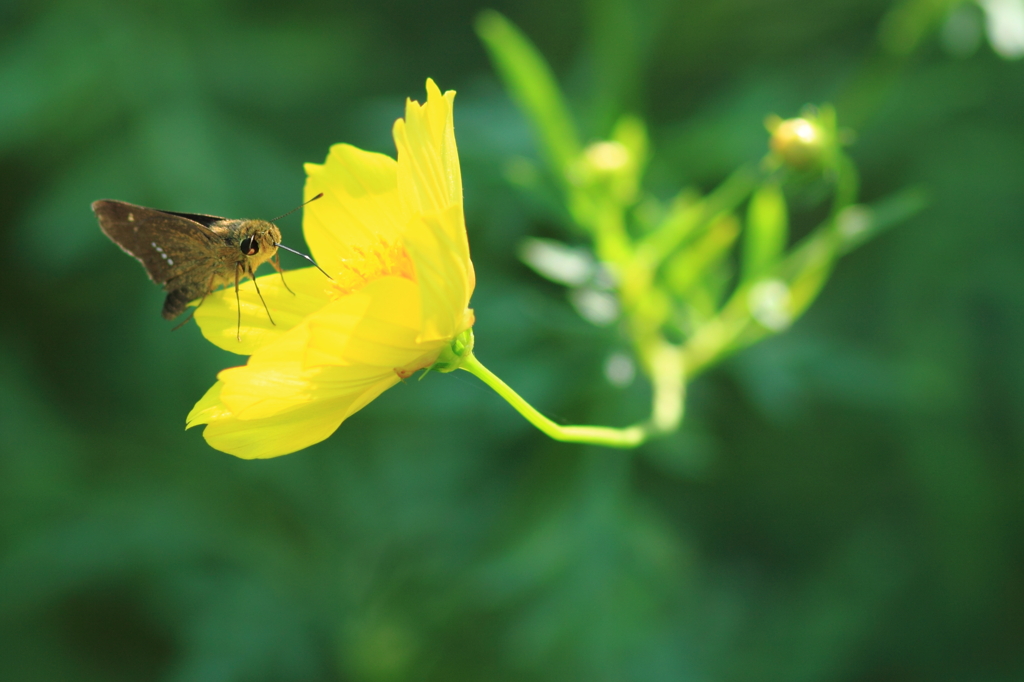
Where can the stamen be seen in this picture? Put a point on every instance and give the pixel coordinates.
(380, 260)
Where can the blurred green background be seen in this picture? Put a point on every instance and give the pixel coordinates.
(845, 502)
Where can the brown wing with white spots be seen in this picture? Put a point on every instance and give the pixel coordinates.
(178, 253)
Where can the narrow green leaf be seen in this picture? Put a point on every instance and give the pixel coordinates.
(688, 267)
(532, 86)
(859, 223)
(767, 230)
(687, 219)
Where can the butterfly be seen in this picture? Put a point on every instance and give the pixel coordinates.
(191, 254)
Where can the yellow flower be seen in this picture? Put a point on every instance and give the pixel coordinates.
(392, 236)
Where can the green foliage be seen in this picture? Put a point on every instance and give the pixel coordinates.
(674, 276)
(843, 502)
(533, 86)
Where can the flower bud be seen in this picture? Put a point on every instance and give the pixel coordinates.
(800, 143)
(607, 156)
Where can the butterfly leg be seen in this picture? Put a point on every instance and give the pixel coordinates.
(188, 318)
(238, 304)
(191, 313)
(252, 275)
(276, 263)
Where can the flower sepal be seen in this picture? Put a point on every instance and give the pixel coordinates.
(454, 354)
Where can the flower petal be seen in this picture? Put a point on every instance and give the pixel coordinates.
(218, 315)
(383, 334)
(444, 273)
(208, 409)
(359, 208)
(429, 176)
(368, 334)
(323, 370)
(251, 396)
(430, 184)
(286, 432)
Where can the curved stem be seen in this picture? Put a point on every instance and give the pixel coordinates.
(628, 437)
(666, 371)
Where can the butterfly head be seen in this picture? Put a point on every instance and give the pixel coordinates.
(257, 241)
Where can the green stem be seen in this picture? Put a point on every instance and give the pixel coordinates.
(629, 437)
(664, 241)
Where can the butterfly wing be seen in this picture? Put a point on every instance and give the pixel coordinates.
(179, 253)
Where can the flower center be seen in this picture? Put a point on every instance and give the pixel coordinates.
(380, 260)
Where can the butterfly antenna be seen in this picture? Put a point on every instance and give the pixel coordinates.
(318, 196)
(299, 253)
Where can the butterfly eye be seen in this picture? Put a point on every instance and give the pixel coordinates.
(249, 246)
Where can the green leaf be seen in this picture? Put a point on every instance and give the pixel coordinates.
(858, 223)
(690, 267)
(767, 230)
(688, 217)
(532, 86)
